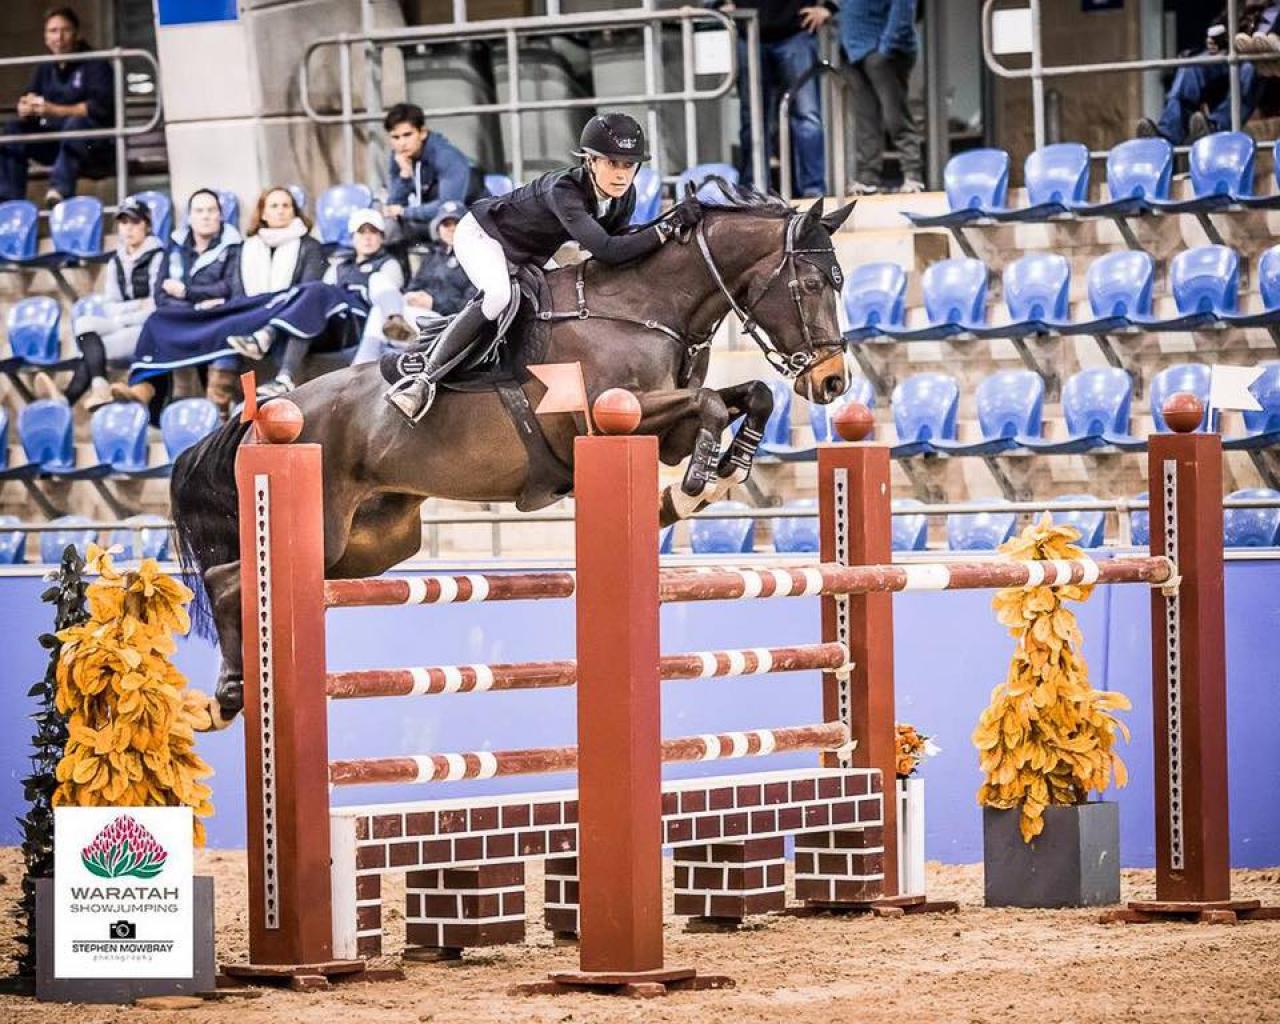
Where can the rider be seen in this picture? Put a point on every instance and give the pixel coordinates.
(591, 204)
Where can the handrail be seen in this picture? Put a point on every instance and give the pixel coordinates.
(121, 131)
(1038, 72)
(511, 29)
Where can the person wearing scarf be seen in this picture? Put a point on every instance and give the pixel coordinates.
(279, 251)
(110, 337)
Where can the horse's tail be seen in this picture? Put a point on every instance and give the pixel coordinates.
(206, 513)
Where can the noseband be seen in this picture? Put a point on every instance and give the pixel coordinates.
(788, 364)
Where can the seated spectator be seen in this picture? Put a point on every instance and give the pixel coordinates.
(425, 170)
(62, 96)
(1200, 87)
(129, 285)
(879, 40)
(279, 251)
(439, 287)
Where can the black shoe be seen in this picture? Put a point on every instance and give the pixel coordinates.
(413, 396)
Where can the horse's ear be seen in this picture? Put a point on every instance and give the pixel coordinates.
(815, 211)
(836, 218)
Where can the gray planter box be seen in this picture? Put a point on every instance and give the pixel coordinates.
(1074, 862)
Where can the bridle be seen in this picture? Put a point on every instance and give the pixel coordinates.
(788, 364)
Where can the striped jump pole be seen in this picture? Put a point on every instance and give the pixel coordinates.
(537, 675)
(462, 588)
(490, 764)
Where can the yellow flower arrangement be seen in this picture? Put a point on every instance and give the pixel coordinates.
(131, 719)
(1047, 735)
(912, 748)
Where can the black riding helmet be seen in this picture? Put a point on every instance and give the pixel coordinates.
(616, 136)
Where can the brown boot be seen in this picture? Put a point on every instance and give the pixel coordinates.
(142, 392)
(221, 389)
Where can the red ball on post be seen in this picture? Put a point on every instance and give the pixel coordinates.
(616, 411)
(278, 421)
(854, 422)
(1183, 412)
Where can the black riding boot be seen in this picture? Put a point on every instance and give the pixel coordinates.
(413, 395)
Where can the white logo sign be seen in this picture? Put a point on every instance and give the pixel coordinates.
(123, 892)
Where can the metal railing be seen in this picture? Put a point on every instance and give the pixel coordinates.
(1038, 73)
(121, 130)
(512, 31)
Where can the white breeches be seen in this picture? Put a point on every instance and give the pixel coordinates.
(481, 256)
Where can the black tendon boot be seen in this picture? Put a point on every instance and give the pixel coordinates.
(91, 372)
(413, 395)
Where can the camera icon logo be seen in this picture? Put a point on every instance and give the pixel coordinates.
(123, 930)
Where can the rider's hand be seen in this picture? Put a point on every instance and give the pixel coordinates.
(813, 18)
(687, 213)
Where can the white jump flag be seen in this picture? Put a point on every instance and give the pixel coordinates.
(1229, 387)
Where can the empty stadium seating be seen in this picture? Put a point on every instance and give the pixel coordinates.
(723, 536)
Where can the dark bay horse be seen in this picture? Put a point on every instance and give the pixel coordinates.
(647, 328)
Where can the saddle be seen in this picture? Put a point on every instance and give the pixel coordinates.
(500, 361)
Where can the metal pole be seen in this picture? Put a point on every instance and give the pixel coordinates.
(459, 11)
(688, 83)
(1233, 67)
(513, 102)
(653, 67)
(785, 183)
(373, 150)
(935, 94)
(1037, 77)
(348, 127)
(122, 155)
(759, 129)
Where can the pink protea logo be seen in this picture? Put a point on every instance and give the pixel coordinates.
(124, 848)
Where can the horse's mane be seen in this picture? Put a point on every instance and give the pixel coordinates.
(743, 199)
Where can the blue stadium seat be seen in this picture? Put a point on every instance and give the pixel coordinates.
(777, 429)
(978, 530)
(955, 301)
(54, 542)
(19, 220)
(723, 536)
(697, 177)
(1221, 167)
(161, 208)
(25, 472)
(1191, 377)
(1120, 287)
(44, 428)
(1037, 293)
(667, 539)
(1010, 405)
(1090, 524)
(1205, 282)
(33, 331)
(1095, 403)
(335, 206)
(1261, 429)
(1140, 524)
(975, 181)
(229, 203)
(149, 539)
(299, 196)
(875, 298)
(821, 416)
(1251, 527)
(1268, 281)
(499, 184)
(1138, 171)
(13, 543)
(910, 532)
(1056, 177)
(1268, 202)
(119, 432)
(796, 534)
(90, 305)
(648, 195)
(185, 422)
(924, 410)
(75, 225)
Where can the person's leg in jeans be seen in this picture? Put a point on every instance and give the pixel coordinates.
(794, 56)
(1218, 95)
(890, 75)
(14, 157)
(72, 154)
(1184, 99)
(868, 127)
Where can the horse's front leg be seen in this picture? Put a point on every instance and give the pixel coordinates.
(754, 401)
(688, 425)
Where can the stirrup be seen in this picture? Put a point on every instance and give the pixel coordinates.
(412, 397)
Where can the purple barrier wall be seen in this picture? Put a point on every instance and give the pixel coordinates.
(950, 653)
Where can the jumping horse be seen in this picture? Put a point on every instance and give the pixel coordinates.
(646, 327)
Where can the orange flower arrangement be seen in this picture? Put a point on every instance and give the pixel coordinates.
(912, 748)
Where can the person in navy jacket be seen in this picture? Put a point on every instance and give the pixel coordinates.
(425, 170)
(62, 96)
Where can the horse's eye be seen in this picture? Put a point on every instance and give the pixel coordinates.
(812, 285)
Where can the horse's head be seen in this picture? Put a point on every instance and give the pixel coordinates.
(791, 296)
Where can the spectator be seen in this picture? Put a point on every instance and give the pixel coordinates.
(1200, 86)
(425, 170)
(129, 286)
(879, 40)
(62, 96)
(279, 251)
(788, 48)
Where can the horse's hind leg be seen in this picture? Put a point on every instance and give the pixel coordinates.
(222, 584)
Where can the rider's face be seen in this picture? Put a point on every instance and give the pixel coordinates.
(613, 177)
(367, 240)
